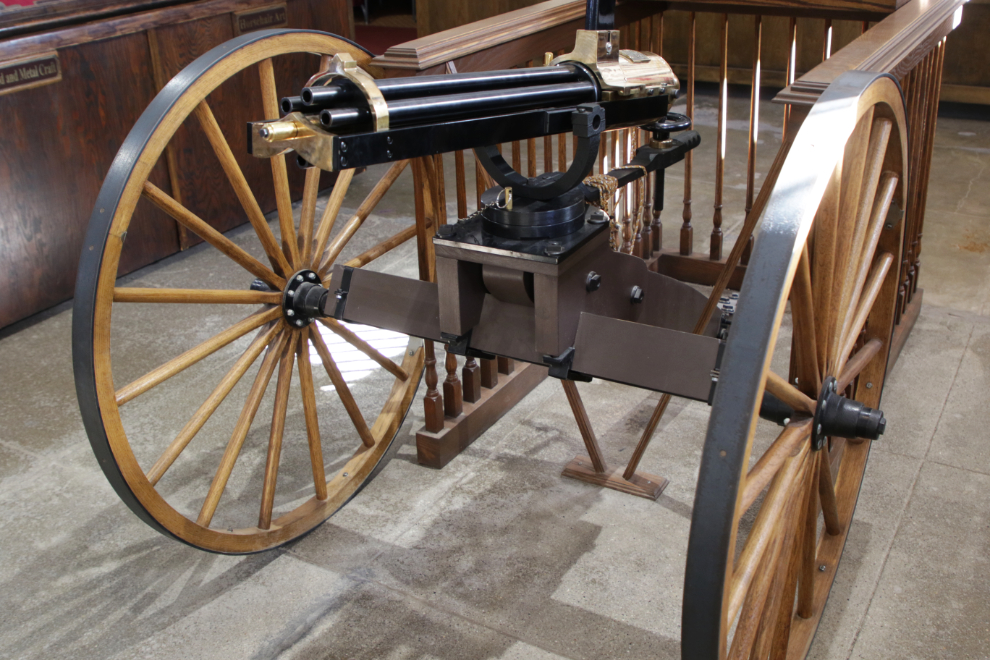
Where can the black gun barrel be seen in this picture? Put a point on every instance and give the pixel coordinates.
(394, 89)
(464, 106)
(474, 104)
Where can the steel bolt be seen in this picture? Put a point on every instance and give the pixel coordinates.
(553, 248)
(869, 386)
(593, 282)
(291, 292)
(821, 567)
(388, 153)
(343, 146)
(388, 140)
(264, 132)
(299, 322)
(608, 47)
(819, 429)
(312, 276)
(787, 420)
(637, 295)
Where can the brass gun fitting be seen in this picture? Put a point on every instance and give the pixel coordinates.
(621, 73)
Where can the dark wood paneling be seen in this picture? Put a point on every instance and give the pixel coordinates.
(58, 144)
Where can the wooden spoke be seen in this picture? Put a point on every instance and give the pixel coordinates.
(194, 355)
(823, 253)
(200, 296)
(865, 216)
(871, 291)
(308, 392)
(387, 245)
(190, 221)
(881, 206)
(755, 604)
(806, 584)
(362, 213)
(792, 396)
(803, 315)
(330, 216)
(857, 363)
(277, 431)
(283, 198)
(769, 464)
(853, 166)
(241, 188)
(764, 528)
(212, 402)
(826, 494)
(307, 217)
(344, 392)
(241, 429)
(348, 335)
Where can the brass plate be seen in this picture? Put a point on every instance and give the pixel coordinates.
(18, 75)
(272, 16)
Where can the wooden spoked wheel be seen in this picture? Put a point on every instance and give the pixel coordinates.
(772, 511)
(171, 413)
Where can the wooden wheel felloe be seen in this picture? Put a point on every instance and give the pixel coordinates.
(206, 476)
(771, 512)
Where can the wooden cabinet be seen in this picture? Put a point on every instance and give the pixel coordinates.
(63, 127)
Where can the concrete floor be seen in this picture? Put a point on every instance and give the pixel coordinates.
(496, 555)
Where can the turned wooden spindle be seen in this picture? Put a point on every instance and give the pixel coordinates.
(648, 220)
(754, 127)
(687, 231)
(432, 403)
(489, 373)
(471, 379)
(716, 238)
(452, 395)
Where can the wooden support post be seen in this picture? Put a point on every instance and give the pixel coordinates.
(489, 373)
(471, 379)
(505, 365)
(592, 468)
(452, 397)
(432, 403)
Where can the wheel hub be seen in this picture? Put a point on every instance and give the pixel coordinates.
(303, 298)
(844, 418)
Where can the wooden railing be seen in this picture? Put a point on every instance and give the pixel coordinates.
(801, 46)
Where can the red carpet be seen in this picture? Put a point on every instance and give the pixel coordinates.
(377, 39)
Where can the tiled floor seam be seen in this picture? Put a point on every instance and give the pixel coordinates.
(480, 624)
(20, 450)
(907, 501)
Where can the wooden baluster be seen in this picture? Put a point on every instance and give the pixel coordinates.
(687, 231)
(918, 134)
(916, 83)
(531, 170)
(505, 365)
(489, 373)
(754, 128)
(452, 395)
(827, 40)
(654, 196)
(517, 157)
(479, 181)
(648, 221)
(791, 66)
(471, 378)
(627, 201)
(927, 162)
(461, 184)
(562, 152)
(432, 403)
(637, 241)
(723, 102)
(656, 232)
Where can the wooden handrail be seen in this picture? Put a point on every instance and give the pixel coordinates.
(895, 45)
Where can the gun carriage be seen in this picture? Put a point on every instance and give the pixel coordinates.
(541, 273)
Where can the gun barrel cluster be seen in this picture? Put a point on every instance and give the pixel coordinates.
(340, 104)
